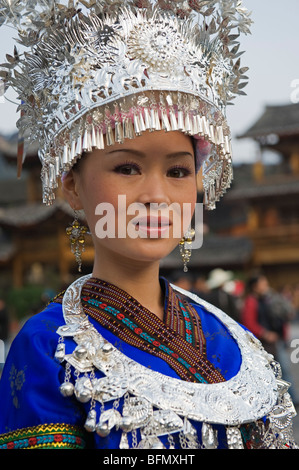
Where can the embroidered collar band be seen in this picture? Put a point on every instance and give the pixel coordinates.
(178, 340)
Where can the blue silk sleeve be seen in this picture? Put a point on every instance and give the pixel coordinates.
(32, 410)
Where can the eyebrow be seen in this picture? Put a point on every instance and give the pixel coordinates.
(141, 154)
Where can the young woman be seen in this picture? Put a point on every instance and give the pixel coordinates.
(123, 359)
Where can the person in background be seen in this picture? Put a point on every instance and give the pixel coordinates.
(201, 288)
(295, 301)
(256, 313)
(267, 315)
(182, 280)
(218, 296)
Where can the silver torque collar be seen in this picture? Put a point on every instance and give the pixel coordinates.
(247, 397)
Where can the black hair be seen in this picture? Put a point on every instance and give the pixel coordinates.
(252, 281)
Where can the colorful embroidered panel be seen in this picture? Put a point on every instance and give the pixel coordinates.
(46, 436)
(178, 340)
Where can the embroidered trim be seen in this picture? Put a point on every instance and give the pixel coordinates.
(188, 324)
(141, 333)
(180, 316)
(45, 436)
(121, 313)
(58, 298)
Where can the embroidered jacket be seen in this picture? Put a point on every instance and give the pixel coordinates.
(96, 369)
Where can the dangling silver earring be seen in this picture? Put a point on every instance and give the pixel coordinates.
(76, 233)
(185, 247)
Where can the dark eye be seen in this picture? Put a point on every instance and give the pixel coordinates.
(178, 172)
(127, 169)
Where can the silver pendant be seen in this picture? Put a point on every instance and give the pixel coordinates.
(150, 442)
(136, 413)
(107, 421)
(66, 389)
(83, 389)
(60, 352)
(209, 436)
(163, 422)
(90, 423)
(124, 443)
(234, 438)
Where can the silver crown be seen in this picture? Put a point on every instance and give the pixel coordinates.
(93, 73)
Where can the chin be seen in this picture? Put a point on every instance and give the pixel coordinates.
(153, 251)
(148, 251)
(139, 249)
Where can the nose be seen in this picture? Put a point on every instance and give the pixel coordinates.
(153, 189)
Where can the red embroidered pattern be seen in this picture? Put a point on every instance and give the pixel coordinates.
(183, 348)
(44, 436)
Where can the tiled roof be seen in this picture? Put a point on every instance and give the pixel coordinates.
(28, 215)
(280, 120)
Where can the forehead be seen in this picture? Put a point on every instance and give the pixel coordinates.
(157, 145)
(164, 142)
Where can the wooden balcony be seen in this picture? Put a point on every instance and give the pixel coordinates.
(276, 245)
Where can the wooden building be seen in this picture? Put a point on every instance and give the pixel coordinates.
(271, 195)
(32, 235)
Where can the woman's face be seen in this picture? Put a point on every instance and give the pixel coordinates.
(133, 194)
(262, 286)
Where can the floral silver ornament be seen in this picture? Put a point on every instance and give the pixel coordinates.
(158, 45)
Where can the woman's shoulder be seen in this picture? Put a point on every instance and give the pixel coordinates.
(43, 324)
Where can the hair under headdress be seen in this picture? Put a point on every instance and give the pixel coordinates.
(93, 73)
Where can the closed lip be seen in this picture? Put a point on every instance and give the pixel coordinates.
(153, 222)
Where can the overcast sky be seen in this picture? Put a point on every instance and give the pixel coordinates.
(272, 54)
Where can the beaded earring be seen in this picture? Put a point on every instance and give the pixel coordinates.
(185, 247)
(76, 233)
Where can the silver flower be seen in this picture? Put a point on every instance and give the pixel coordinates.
(159, 44)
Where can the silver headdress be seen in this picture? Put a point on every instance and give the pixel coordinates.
(93, 73)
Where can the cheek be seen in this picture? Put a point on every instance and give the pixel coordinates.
(191, 205)
(95, 193)
(186, 203)
(188, 195)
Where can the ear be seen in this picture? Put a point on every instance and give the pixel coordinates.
(70, 189)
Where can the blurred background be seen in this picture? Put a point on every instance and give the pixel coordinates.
(253, 233)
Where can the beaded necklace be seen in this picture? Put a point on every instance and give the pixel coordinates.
(178, 340)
